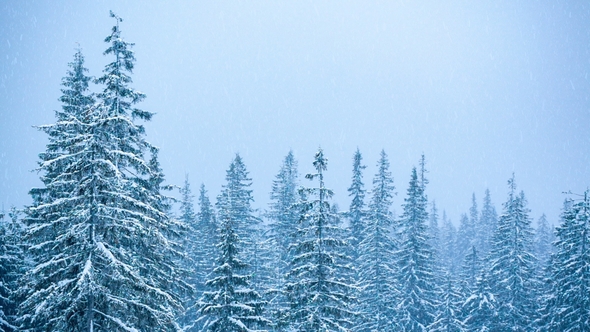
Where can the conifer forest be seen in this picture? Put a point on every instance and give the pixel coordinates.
(108, 244)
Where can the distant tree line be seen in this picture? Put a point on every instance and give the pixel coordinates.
(103, 248)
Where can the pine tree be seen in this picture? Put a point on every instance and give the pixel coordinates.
(448, 318)
(231, 304)
(415, 307)
(376, 268)
(102, 246)
(512, 265)
(434, 231)
(283, 224)
(357, 205)
(11, 268)
(319, 286)
(480, 310)
(470, 270)
(235, 203)
(544, 238)
(568, 307)
(208, 228)
(196, 257)
(202, 245)
(487, 225)
(448, 245)
(465, 238)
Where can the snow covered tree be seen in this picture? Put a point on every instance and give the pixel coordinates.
(102, 245)
(480, 310)
(208, 228)
(568, 307)
(465, 238)
(231, 304)
(376, 269)
(434, 231)
(448, 244)
(512, 265)
(544, 237)
(234, 203)
(319, 285)
(357, 205)
(11, 268)
(200, 246)
(487, 225)
(474, 220)
(283, 224)
(284, 196)
(448, 317)
(417, 297)
(5, 267)
(470, 270)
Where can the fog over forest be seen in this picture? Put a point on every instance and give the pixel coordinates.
(310, 166)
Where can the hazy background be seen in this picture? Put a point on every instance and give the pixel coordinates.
(482, 88)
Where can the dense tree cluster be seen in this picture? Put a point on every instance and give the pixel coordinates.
(101, 248)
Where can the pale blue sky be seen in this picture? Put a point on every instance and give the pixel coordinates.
(483, 88)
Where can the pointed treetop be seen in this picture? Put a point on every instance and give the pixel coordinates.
(115, 16)
(320, 162)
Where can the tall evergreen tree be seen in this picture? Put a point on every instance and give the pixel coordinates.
(415, 307)
(376, 269)
(319, 286)
(434, 231)
(100, 239)
(235, 203)
(470, 270)
(480, 309)
(200, 250)
(487, 225)
(512, 265)
(474, 221)
(357, 205)
(231, 304)
(544, 237)
(568, 307)
(448, 317)
(465, 238)
(11, 268)
(448, 246)
(207, 224)
(283, 216)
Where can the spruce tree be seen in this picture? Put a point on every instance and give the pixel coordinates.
(208, 228)
(376, 269)
(319, 287)
(235, 203)
(568, 306)
(283, 218)
(487, 225)
(448, 246)
(448, 317)
(357, 205)
(12, 266)
(5, 266)
(470, 270)
(103, 248)
(231, 304)
(512, 265)
(415, 305)
(544, 237)
(480, 309)
(434, 233)
(195, 257)
(465, 238)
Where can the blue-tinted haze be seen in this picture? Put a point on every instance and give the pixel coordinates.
(482, 88)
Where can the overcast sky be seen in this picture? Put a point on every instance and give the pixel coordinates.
(482, 88)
